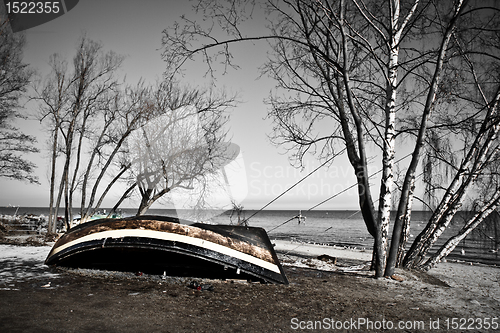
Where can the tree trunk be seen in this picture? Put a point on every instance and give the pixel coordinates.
(107, 164)
(387, 181)
(73, 186)
(148, 199)
(405, 232)
(450, 245)
(406, 196)
(476, 157)
(52, 211)
(67, 203)
(83, 210)
(106, 190)
(356, 158)
(123, 197)
(145, 201)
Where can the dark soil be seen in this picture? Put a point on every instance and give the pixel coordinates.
(79, 301)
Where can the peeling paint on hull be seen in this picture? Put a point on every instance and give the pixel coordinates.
(158, 244)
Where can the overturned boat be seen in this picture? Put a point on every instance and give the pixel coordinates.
(167, 245)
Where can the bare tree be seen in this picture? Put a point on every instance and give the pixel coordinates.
(15, 76)
(375, 72)
(181, 146)
(69, 101)
(93, 119)
(239, 211)
(123, 114)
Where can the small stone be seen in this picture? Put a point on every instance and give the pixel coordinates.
(327, 258)
(397, 278)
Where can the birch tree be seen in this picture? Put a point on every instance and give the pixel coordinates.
(479, 124)
(486, 204)
(379, 74)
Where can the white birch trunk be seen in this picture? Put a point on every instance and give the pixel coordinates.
(405, 232)
(421, 245)
(397, 31)
(427, 236)
(456, 194)
(450, 245)
(387, 181)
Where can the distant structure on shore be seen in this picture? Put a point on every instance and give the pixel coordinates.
(300, 218)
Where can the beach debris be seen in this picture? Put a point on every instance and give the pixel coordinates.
(397, 278)
(133, 294)
(237, 281)
(200, 287)
(327, 258)
(3, 229)
(50, 237)
(314, 263)
(353, 268)
(475, 302)
(138, 273)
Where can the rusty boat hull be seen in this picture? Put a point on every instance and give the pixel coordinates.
(167, 245)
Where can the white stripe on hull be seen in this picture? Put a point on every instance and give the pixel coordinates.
(171, 237)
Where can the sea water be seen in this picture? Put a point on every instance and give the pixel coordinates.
(332, 228)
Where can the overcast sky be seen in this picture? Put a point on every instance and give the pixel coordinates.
(133, 29)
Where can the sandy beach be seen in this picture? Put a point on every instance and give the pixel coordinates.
(477, 278)
(314, 250)
(464, 283)
(321, 296)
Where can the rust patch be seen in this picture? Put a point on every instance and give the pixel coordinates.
(170, 227)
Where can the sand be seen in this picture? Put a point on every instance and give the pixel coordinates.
(466, 283)
(478, 279)
(315, 250)
(37, 298)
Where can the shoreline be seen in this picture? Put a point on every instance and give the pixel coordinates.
(345, 252)
(315, 250)
(472, 251)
